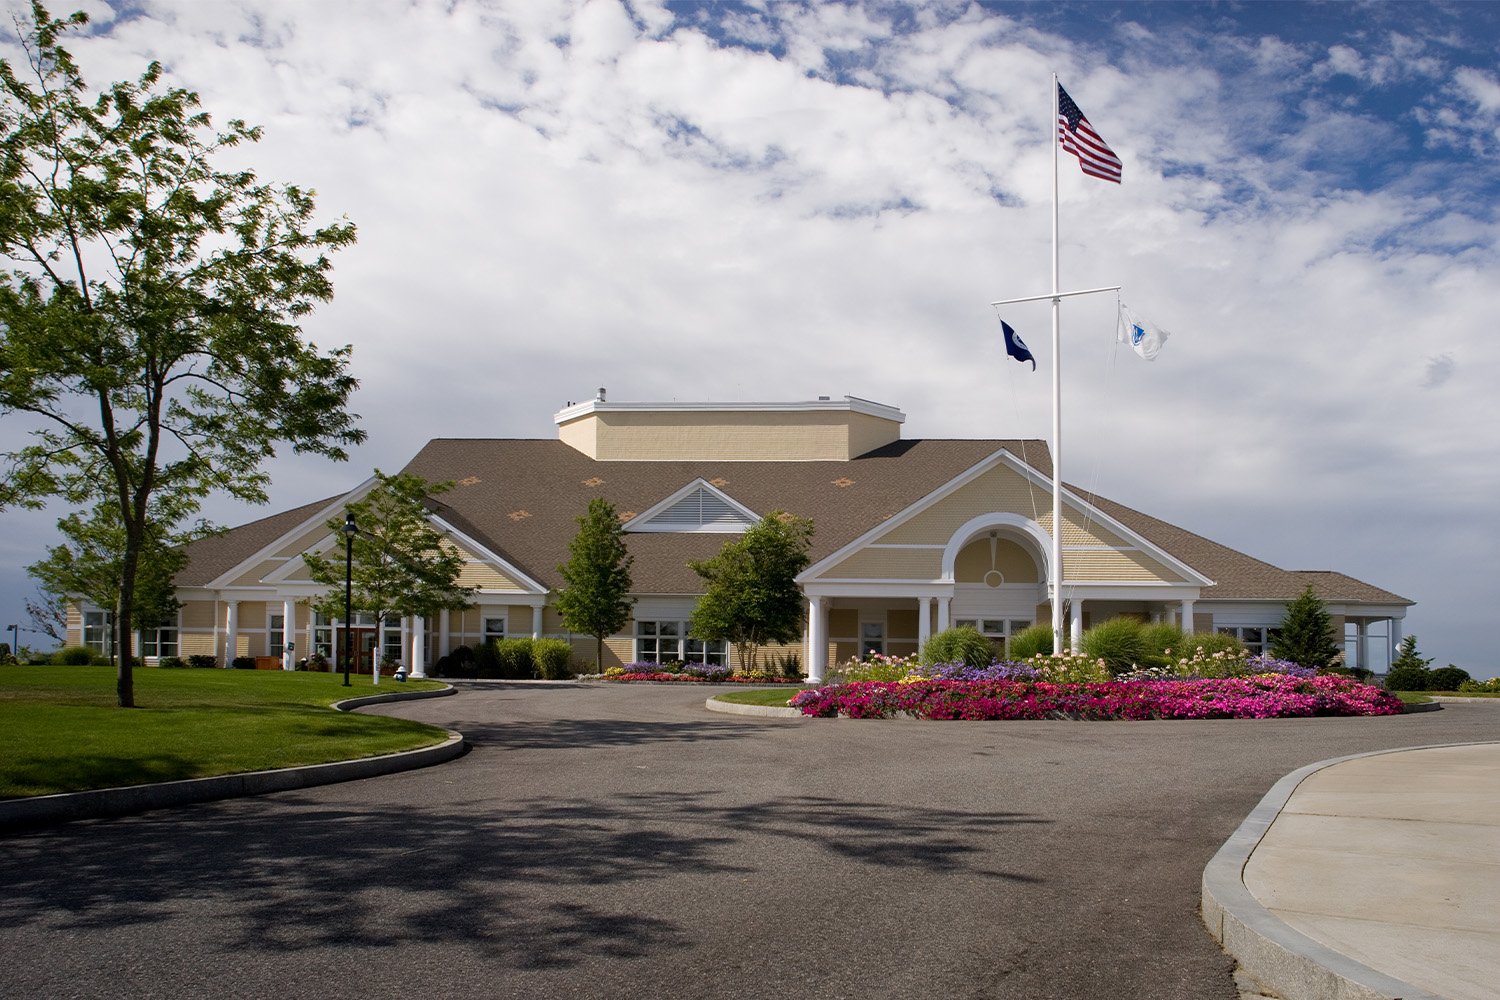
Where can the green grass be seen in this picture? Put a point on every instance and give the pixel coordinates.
(1412, 697)
(760, 696)
(61, 732)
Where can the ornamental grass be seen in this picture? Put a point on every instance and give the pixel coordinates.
(1264, 696)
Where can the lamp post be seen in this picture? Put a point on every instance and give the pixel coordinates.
(350, 530)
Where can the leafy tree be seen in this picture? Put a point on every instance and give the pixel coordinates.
(400, 564)
(1406, 655)
(49, 614)
(148, 323)
(751, 596)
(597, 575)
(91, 564)
(1306, 633)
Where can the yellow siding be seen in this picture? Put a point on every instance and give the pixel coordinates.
(198, 614)
(256, 574)
(843, 652)
(899, 648)
(476, 574)
(843, 623)
(781, 435)
(1000, 489)
(1107, 564)
(976, 561)
(889, 564)
(305, 540)
(901, 624)
(518, 620)
(617, 651)
(195, 644)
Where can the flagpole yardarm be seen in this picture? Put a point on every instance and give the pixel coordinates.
(1057, 295)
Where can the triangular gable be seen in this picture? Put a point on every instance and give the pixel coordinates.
(317, 522)
(697, 507)
(1003, 457)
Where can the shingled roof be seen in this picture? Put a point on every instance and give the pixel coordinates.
(519, 498)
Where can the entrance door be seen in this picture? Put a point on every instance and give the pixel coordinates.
(363, 642)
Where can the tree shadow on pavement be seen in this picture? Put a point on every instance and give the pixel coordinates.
(537, 884)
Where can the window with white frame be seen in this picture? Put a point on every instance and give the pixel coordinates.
(159, 642)
(275, 635)
(494, 629)
(669, 642)
(98, 631)
(390, 644)
(871, 638)
(322, 635)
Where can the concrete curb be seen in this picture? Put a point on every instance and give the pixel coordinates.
(1288, 962)
(773, 711)
(44, 810)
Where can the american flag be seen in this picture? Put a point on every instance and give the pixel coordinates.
(1079, 138)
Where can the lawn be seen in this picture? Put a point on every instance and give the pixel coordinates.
(61, 732)
(777, 696)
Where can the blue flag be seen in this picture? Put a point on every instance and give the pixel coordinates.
(1015, 346)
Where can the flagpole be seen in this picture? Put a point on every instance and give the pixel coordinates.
(1057, 564)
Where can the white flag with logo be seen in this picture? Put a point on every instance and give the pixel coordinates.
(1140, 333)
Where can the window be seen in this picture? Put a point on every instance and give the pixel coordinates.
(98, 631)
(668, 642)
(322, 635)
(871, 638)
(275, 636)
(159, 641)
(1256, 639)
(390, 646)
(494, 628)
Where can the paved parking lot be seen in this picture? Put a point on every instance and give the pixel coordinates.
(624, 842)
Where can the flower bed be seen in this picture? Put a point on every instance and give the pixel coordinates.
(1263, 696)
(699, 673)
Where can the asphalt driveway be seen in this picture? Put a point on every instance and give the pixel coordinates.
(625, 842)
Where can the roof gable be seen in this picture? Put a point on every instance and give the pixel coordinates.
(698, 506)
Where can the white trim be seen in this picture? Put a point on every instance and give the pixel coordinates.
(265, 552)
(641, 523)
(850, 404)
(532, 587)
(903, 545)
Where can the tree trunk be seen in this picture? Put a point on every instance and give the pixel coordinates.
(124, 676)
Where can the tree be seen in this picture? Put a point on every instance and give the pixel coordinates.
(49, 615)
(91, 562)
(148, 323)
(1306, 633)
(597, 575)
(1407, 655)
(401, 564)
(751, 596)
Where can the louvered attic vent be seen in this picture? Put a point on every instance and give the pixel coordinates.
(703, 509)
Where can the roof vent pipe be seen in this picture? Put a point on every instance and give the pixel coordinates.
(600, 398)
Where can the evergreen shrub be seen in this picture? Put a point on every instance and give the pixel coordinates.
(551, 657)
(243, 663)
(1408, 678)
(1446, 678)
(73, 656)
(1156, 639)
(203, 661)
(172, 663)
(959, 645)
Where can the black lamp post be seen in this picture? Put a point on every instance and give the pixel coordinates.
(350, 530)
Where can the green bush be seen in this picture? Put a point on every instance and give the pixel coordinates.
(243, 663)
(1407, 679)
(73, 656)
(203, 661)
(1446, 678)
(1156, 639)
(1117, 642)
(1029, 642)
(1480, 687)
(459, 663)
(172, 663)
(552, 657)
(964, 644)
(1211, 643)
(788, 665)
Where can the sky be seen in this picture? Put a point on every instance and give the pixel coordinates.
(765, 201)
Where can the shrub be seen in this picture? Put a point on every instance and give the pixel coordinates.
(1408, 655)
(243, 663)
(1029, 642)
(959, 645)
(1407, 679)
(878, 667)
(172, 663)
(73, 656)
(1117, 642)
(788, 665)
(1477, 687)
(203, 661)
(1446, 678)
(458, 663)
(1214, 642)
(552, 657)
(514, 657)
(1156, 639)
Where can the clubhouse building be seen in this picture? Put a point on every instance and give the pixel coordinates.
(911, 537)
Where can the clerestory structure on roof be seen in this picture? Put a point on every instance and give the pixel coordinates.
(911, 537)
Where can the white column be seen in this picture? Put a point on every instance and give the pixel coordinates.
(406, 642)
(231, 632)
(942, 622)
(312, 619)
(1075, 626)
(1187, 616)
(1393, 632)
(817, 641)
(924, 621)
(418, 667)
(288, 633)
(536, 622)
(445, 633)
(1361, 644)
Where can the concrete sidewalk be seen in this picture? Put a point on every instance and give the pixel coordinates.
(1369, 876)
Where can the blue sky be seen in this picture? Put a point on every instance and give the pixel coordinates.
(751, 201)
